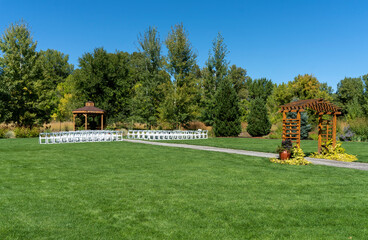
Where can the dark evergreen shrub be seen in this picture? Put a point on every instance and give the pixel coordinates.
(258, 121)
(227, 112)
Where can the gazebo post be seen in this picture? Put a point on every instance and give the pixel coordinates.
(74, 115)
(102, 121)
(334, 130)
(85, 122)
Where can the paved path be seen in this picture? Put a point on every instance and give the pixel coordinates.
(317, 161)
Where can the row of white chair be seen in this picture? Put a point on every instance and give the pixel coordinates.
(167, 134)
(80, 136)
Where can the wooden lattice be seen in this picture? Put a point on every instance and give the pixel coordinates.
(291, 129)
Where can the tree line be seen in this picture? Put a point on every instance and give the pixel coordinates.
(147, 87)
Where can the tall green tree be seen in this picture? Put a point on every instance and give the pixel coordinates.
(148, 92)
(308, 87)
(18, 64)
(215, 72)
(238, 77)
(365, 104)
(227, 113)
(350, 92)
(179, 106)
(104, 79)
(52, 69)
(4, 99)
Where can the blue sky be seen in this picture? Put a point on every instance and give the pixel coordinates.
(273, 39)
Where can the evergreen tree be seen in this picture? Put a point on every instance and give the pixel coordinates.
(215, 72)
(179, 106)
(227, 113)
(18, 64)
(258, 121)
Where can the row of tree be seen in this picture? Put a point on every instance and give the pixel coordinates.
(147, 87)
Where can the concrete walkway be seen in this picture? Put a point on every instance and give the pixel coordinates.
(316, 161)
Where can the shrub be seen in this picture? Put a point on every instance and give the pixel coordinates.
(347, 134)
(359, 127)
(258, 121)
(21, 132)
(285, 145)
(297, 158)
(2, 132)
(334, 153)
(9, 134)
(34, 132)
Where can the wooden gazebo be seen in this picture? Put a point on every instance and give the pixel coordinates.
(89, 110)
(326, 128)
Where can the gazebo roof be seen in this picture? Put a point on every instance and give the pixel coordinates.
(319, 105)
(89, 108)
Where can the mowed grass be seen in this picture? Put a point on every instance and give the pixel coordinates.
(124, 190)
(360, 149)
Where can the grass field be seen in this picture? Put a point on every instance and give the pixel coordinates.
(269, 145)
(124, 190)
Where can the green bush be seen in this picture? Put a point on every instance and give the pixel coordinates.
(3, 132)
(334, 153)
(359, 127)
(258, 121)
(21, 132)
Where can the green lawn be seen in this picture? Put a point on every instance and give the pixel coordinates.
(269, 145)
(124, 190)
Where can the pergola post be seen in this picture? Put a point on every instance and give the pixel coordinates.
(320, 126)
(299, 127)
(334, 130)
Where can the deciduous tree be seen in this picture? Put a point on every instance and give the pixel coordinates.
(179, 106)
(18, 64)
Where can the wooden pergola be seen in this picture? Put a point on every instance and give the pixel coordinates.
(326, 128)
(89, 110)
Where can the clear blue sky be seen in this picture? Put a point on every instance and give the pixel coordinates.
(273, 39)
